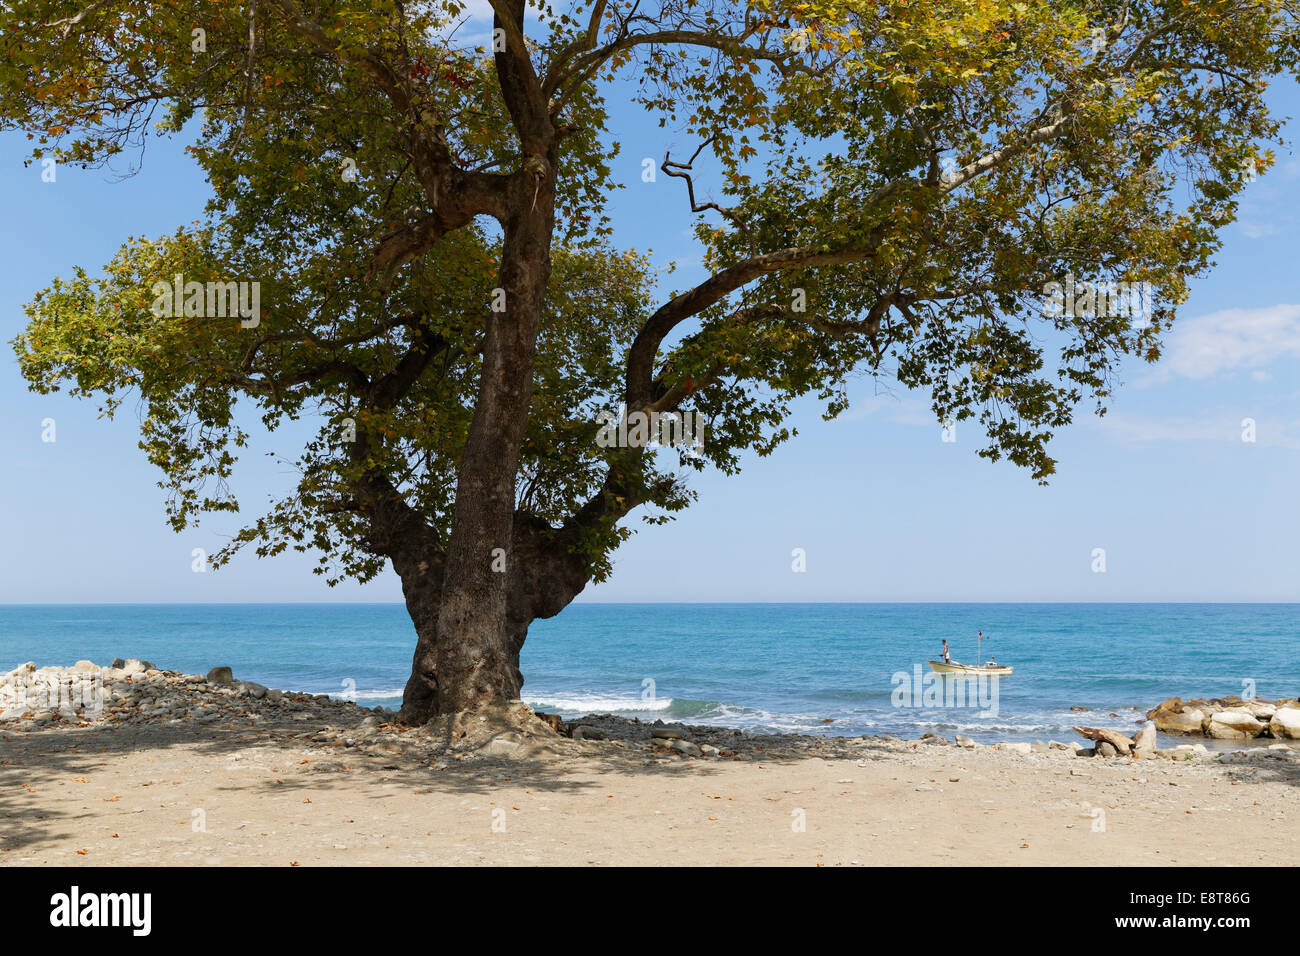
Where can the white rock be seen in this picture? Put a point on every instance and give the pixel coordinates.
(1232, 725)
(1285, 724)
(1145, 739)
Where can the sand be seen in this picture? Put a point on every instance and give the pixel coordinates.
(292, 792)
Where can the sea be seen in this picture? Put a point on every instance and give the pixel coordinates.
(834, 669)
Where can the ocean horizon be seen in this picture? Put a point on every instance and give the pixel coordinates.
(830, 668)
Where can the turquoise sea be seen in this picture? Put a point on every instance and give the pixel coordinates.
(772, 666)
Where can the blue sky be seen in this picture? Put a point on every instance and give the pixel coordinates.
(882, 507)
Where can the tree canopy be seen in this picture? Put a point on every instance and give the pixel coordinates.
(900, 184)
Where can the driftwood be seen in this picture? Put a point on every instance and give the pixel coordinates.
(1117, 740)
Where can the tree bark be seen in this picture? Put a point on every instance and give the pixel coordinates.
(476, 659)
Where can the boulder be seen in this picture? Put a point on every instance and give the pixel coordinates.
(1261, 710)
(667, 733)
(1172, 705)
(1145, 739)
(221, 675)
(1233, 725)
(685, 747)
(554, 721)
(1189, 721)
(1285, 724)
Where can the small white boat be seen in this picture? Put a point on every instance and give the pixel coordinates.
(991, 669)
(952, 667)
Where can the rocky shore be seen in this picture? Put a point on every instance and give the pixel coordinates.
(1229, 718)
(134, 694)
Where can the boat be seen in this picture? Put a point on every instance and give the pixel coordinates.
(991, 669)
(953, 667)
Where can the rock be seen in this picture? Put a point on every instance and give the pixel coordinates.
(1233, 725)
(275, 696)
(132, 666)
(255, 691)
(1057, 745)
(1285, 724)
(1190, 721)
(1145, 739)
(1038, 747)
(709, 750)
(685, 747)
(1261, 710)
(504, 746)
(587, 733)
(934, 739)
(85, 666)
(667, 733)
(966, 742)
(551, 720)
(1076, 707)
(1123, 745)
(1106, 749)
(1082, 751)
(221, 675)
(1016, 748)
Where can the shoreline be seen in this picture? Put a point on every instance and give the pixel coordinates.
(262, 777)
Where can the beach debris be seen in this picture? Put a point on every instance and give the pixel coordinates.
(1120, 744)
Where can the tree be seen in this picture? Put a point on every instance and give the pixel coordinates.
(904, 182)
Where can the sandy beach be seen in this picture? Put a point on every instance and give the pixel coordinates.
(296, 780)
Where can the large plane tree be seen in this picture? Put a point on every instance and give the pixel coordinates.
(885, 187)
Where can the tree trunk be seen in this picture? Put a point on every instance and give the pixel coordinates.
(477, 652)
(546, 572)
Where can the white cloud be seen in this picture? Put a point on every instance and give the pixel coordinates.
(1223, 426)
(1231, 340)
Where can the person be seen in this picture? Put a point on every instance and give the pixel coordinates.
(947, 654)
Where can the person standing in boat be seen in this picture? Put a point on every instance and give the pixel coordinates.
(947, 652)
